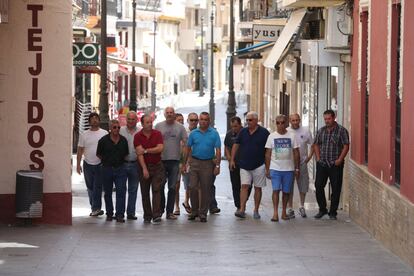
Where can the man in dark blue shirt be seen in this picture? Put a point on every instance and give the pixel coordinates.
(250, 147)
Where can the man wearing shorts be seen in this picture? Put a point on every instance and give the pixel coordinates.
(282, 164)
(304, 138)
(250, 147)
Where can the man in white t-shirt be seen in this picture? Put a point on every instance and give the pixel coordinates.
(88, 143)
(282, 163)
(304, 138)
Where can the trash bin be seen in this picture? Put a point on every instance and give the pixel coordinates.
(29, 194)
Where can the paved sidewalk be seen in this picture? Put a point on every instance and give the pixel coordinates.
(224, 246)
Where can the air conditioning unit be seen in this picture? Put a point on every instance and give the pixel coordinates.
(338, 29)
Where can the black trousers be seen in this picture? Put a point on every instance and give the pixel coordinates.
(236, 186)
(335, 174)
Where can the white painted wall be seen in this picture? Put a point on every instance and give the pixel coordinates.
(54, 93)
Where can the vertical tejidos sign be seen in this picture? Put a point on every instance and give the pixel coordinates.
(4, 11)
(36, 134)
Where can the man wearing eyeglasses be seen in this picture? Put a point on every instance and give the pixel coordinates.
(250, 147)
(88, 142)
(192, 121)
(131, 165)
(112, 150)
(204, 147)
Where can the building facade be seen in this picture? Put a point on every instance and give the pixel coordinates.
(381, 175)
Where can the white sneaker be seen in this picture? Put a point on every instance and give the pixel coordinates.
(302, 212)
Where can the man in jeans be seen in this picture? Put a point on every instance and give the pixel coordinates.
(331, 147)
(112, 150)
(250, 144)
(88, 142)
(149, 145)
(173, 134)
(131, 165)
(203, 146)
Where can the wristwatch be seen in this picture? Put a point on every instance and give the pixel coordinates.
(296, 170)
(217, 166)
(145, 151)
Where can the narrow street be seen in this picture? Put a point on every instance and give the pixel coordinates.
(223, 246)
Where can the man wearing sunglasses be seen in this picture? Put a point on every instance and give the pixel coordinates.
(112, 150)
(250, 148)
(282, 164)
(131, 165)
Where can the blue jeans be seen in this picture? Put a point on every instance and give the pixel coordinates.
(171, 174)
(93, 184)
(118, 176)
(213, 201)
(132, 176)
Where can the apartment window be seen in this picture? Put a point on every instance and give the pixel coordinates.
(126, 87)
(196, 17)
(395, 88)
(284, 100)
(126, 39)
(120, 38)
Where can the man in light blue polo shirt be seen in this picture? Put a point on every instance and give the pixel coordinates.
(204, 151)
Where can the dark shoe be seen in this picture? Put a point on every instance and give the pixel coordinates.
(96, 213)
(120, 219)
(156, 220)
(109, 218)
(203, 219)
(147, 220)
(132, 217)
(171, 217)
(320, 215)
(187, 208)
(192, 217)
(332, 217)
(240, 214)
(215, 210)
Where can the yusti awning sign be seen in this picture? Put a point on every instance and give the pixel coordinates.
(85, 54)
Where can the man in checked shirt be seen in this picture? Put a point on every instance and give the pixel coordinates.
(331, 146)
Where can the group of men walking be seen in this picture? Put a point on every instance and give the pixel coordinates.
(155, 156)
(257, 157)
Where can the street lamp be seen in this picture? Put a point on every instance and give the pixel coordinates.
(153, 85)
(103, 94)
(231, 102)
(201, 78)
(211, 104)
(133, 90)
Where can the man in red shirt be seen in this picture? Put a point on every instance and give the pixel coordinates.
(148, 145)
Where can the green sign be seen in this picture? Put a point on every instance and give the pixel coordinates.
(85, 54)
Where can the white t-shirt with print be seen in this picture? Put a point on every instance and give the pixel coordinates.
(282, 150)
(304, 138)
(89, 141)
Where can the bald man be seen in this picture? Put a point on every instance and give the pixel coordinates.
(305, 140)
(174, 135)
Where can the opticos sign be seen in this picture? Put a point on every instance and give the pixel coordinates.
(85, 54)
